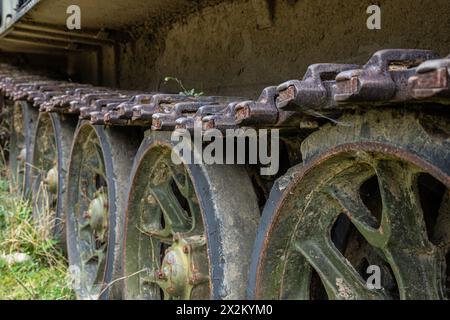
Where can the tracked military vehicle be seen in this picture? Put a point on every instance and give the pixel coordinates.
(363, 123)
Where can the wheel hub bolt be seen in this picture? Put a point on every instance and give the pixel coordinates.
(161, 275)
(177, 276)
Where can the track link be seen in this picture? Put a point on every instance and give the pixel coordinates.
(389, 77)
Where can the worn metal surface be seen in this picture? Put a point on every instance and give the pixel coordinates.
(383, 79)
(218, 230)
(165, 237)
(51, 149)
(431, 81)
(100, 165)
(22, 125)
(298, 239)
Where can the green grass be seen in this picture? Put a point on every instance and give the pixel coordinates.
(44, 276)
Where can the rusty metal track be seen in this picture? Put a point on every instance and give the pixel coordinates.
(389, 77)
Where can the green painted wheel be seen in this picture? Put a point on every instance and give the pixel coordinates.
(189, 228)
(53, 140)
(23, 122)
(98, 176)
(371, 195)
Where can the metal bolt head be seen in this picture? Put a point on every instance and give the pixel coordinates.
(170, 290)
(151, 199)
(86, 215)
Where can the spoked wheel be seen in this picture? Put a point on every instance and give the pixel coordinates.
(374, 194)
(53, 140)
(189, 228)
(100, 165)
(23, 122)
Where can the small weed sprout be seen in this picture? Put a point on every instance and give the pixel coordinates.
(185, 92)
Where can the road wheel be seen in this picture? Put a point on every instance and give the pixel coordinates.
(99, 170)
(371, 196)
(51, 150)
(189, 228)
(23, 121)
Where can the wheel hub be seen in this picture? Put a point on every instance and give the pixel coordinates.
(88, 221)
(179, 272)
(97, 214)
(51, 180)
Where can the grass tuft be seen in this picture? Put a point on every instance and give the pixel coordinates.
(44, 275)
